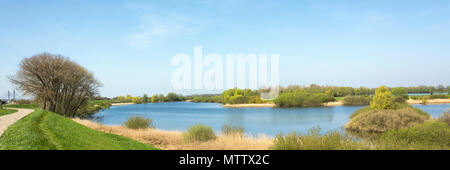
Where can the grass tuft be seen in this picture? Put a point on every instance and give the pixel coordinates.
(137, 122)
(445, 117)
(313, 140)
(199, 133)
(430, 135)
(230, 130)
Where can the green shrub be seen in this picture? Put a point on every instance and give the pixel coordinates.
(445, 117)
(232, 130)
(398, 99)
(356, 100)
(439, 96)
(200, 133)
(382, 99)
(240, 96)
(93, 106)
(425, 99)
(400, 92)
(377, 120)
(430, 135)
(137, 122)
(313, 140)
(302, 99)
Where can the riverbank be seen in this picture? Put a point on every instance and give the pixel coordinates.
(409, 101)
(121, 104)
(336, 103)
(429, 101)
(249, 105)
(173, 140)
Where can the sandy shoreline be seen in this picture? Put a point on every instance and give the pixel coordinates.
(430, 101)
(121, 104)
(249, 105)
(336, 103)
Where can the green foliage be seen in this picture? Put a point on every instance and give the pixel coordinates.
(43, 130)
(239, 96)
(93, 106)
(158, 98)
(436, 96)
(425, 89)
(339, 98)
(313, 140)
(137, 122)
(398, 99)
(400, 91)
(430, 135)
(232, 130)
(382, 99)
(445, 117)
(377, 120)
(145, 99)
(208, 99)
(330, 96)
(425, 99)
(199, 133)
(300, 98)
(439, 96)
(357, 100)
(137, 100)
(171, 97)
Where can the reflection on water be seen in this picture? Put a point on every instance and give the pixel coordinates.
(270, 121)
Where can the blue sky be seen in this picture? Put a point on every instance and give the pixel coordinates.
(128, 45)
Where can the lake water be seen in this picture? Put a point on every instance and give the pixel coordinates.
(270, 121)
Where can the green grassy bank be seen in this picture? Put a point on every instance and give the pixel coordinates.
(4, 112)
(42, 130)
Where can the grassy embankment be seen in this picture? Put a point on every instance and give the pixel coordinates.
(4, 112)
(42, 130)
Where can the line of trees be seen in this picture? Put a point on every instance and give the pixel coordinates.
(363, 91)
(59, 84)
(157, 98)
(302, 98)
(309, 96)
(241, 96)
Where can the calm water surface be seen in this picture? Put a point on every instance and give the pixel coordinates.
(270, 121)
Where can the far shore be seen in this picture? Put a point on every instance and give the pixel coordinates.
(329, 104)
(336, 103)
(409, 101)
(250, 105)
(121, 104)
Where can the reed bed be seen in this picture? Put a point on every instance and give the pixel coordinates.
(173, 140)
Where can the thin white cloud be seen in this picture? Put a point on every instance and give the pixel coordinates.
(155, 28)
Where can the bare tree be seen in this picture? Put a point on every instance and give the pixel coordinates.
(61, 85)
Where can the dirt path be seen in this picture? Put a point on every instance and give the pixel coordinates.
(10, 119)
